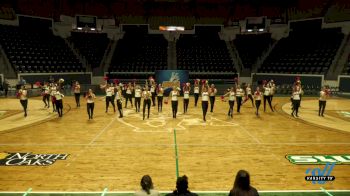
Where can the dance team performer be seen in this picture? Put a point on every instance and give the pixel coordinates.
(160, 94)
(239, 95)
(248, 92)
(46, 94)
(273, 89)
(113, 89)
(76, 90)
(324, 94)
(119, 100)
(296, 100)
(196, 91)
(212, 94)
(59, 102)
(153, 91)
(231, 100)
(267, 96)
(128, 94)
(205, 100)
(109, 95)
(53, 89)
(138, 95)
(257, 97)
(186, 90)
(298, 83)
(207, 95)
(174, 100)
(124, 87)
(23, 98)
(90, 103)
(146, 94)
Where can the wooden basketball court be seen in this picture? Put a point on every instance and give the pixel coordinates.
(112, 152)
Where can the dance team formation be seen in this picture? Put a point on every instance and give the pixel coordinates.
(154, 95)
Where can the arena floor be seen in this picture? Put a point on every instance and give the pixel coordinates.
(114, 153)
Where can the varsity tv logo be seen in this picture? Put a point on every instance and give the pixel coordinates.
(29, 159)
(320, 176)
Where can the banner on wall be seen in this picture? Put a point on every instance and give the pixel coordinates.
(170, 78)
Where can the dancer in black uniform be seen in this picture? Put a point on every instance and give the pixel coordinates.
(186, 90)
(46, 94)
(174, 100)
(273, 89)
(119, 100)
(53, 89)
(296, 100)
(267, 96)
(59, 102)
(153, 92)
(23, 99)
(160, 94)
(138, 95)
(239, 95)
(324, 93)
(146, 94)
(90, 103)
(205, 100)
(109, 95)
(128, 94)
(76, 89)
(231, 100)
(212, 93)
(257, 97)
(248, 92)
(196, 91)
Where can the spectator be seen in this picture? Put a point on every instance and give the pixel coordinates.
(147, 187)
(22, 81)
(242, 187)
(5, 86)
(182, 188)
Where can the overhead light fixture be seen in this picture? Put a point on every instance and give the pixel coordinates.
(261, 30)
(80, 28)
(93, 29)
(250, 30)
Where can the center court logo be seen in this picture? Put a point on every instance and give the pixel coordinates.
(29, 159)
(319, 159)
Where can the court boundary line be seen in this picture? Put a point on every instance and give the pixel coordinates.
(254, 138)
(193, 144)
(119, 192)
(102, 131)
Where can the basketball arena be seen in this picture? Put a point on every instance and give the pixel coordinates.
(168, 97)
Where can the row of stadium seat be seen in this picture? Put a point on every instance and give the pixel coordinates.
(91, 45)
(37, 51)
(140, 52)
(251, 47)
(304, 53)
(203, 52)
